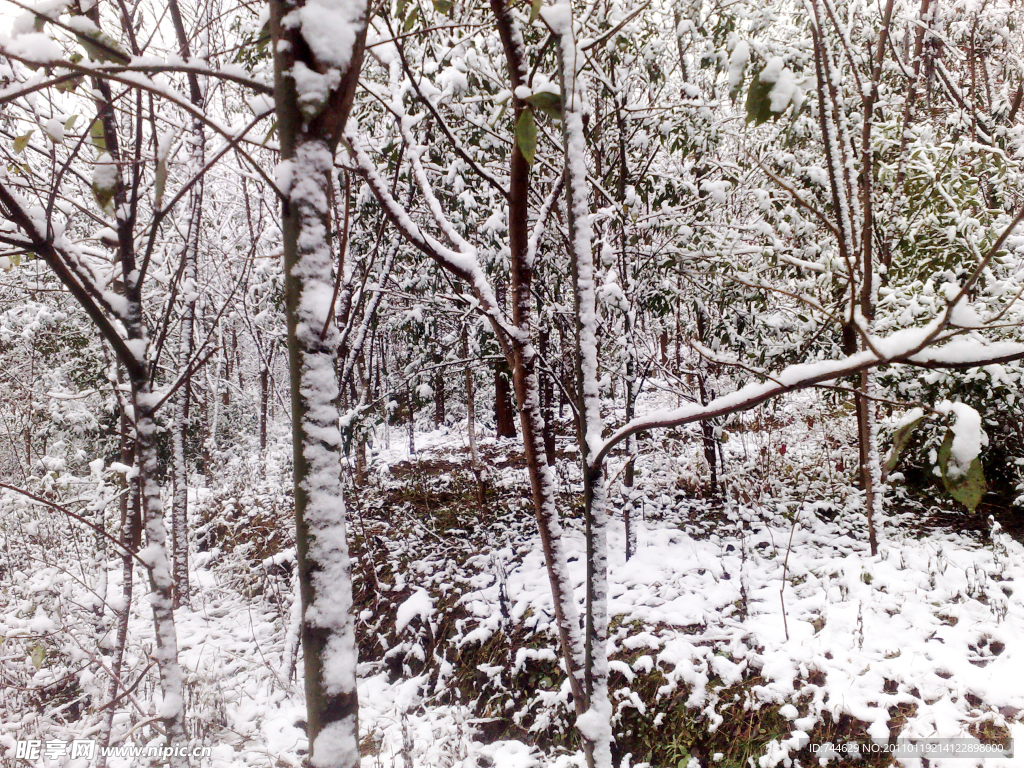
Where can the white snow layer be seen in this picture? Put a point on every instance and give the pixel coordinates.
(418, 605)
(329, 28)
(968, 436)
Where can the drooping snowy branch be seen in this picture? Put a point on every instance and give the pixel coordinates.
(462, 264)
(907, 346)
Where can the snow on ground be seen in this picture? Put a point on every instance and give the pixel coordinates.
(784, 596)
(929, 626)
(927, 622)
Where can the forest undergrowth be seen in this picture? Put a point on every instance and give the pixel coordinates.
(749, 626)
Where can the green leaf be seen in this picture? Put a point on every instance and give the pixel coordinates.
(759, 103)
(20, 142)
(38, 655)
(161, 182)
(900, 441)
(67, 86)
(548, 103)
(400, 10)
(534, 10)
(443, 6)
(526, 135)
(271, 132)
(99, 138)
(103, 196)
(70, 122)
(410, 21)
(967, 488)
(263, 40)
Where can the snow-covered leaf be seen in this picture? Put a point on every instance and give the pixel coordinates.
(102, 47)
(967, 487)
(54, 130)
(410, 20)
(759, 102)
(104, 180)
(160, 183)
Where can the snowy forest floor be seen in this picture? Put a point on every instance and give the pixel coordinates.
(743, 630)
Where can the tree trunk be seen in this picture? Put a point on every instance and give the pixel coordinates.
(411, 424)
(360, 459)
(474, 459)
(309, 137)
(264, 402)
(595, 723)
(547, 398)
(439, 399)
(172, 679)
(707, 429)
(527, 383)
(130, 531)
(190, 295)
(707, 433)
(629, 474)
(504, 411)
(328, 637)
(179, 502)
(870, 464)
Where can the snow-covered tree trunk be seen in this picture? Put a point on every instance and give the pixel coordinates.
(874, 496)
(264, 403)
(179, 465)
(122, 324)
(129, 537)
(526, 380)
(190, 296)
(317, 54)
(871, 465)
(707, 429)
(474, 456)
(145, 402)
(629, 474)
(547, 396)
(215, 379)
(595, 723)
(158, 561)
(327, 632)
(853, 227)
(629, 317)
